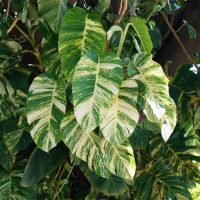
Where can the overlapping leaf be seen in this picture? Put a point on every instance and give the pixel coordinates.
(154, 96)
(7, 159)
(141, 30)
(160, 177)
(112, 186)
(122, 118)
(46, 106)
(80, 32)
(12, 92)
(10, 184)
(53, 12)
(50, 57)
(95, 84)
(102, 158)
(197, 119)
(9, 55)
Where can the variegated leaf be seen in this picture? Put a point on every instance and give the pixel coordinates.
(12, 92)
(11, 134)
(122, 118)
(10, 188)
(80, 32)
(154, 95)
(101, 156)
(46, 106)
(50, 56)
(119, 159)
(95, 84)
(53, 12)
(197, 119)
(9, 55)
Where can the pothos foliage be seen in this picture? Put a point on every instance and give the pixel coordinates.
(81, 94)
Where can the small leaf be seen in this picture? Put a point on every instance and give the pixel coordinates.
(9, 55)
(141, 30)
(46, 106)
(50, 56)
(197, 119)
(11, 133)
(103, 5)
(192, 32)
(112, 30)
(53, 11)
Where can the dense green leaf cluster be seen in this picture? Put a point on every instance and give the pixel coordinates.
(81, 96)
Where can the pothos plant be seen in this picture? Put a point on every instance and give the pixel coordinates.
(81, 94)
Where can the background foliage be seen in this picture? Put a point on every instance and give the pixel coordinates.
(86, 112)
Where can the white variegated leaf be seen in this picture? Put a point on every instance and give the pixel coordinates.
(95, 84)
(119, 159)
(80, 32)
(197, 119)
(12, 92)
(53, 12)
(154, 93)
(122, 118)
(46, 106)
(10, 188)
(102, 157)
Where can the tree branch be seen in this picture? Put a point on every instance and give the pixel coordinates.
(122, 12)
(189, 57)
(13, 25)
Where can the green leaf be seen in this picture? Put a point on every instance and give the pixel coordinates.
(112, 186)
(10, 184)
(192, 32)
(53, 12)
(7, 159)
(95, 84)
(11, 133)
(123, 116)
(178, 153)
(155, 34)
(141, 30)
(50, 57)
(159, 177)
(183, 89)
(80, 32)
(9, 55)
(40, 164)
(101, 157)
(197, 119)
(103, 5)
(154, 96)
(13, 86)
(46, 106)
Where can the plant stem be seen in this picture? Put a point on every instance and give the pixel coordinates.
(189, 57)
(66, 180)
(60, 176)
(25, 35)
(122, 12)
(36, 52)
(122, 39)
(13, 25)
(8, 9)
